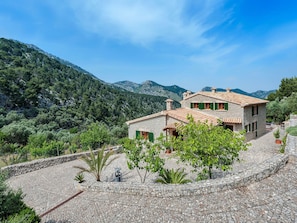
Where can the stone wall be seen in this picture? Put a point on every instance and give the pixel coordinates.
(291, 145)
(293, 120)
(22, 168)
(253, 174)
(241, 179)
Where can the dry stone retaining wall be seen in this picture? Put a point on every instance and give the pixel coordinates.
(22, 168)
(253, 174)
(244, 178)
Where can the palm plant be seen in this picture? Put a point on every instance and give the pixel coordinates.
(172, 176)
(96, 163)
(80, 177)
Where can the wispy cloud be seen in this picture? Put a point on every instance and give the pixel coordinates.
(146, 22)
(278, 41)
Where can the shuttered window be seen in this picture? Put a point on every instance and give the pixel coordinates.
(221, 106)
(145, 135)
(137, 134)
(201, 105)
(226, 106)
(151, 137)
(211, 106)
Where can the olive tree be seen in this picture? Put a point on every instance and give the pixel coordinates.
(143, 155)
(206, 146)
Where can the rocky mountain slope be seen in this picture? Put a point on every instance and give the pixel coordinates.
(152, 88)
(258, 94)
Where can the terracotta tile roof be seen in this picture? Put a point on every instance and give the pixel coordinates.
(232, 97)
(181, 115)
(232, 120)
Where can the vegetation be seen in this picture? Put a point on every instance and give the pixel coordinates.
(96, 163)
(283, 102)
(276, 133)
(50, 107)
(172, 176)
(207, 146)
(80, 177)
(12, 208)
(292, 130)
(144, 155)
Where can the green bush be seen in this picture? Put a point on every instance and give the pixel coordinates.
(12, 208)
(292, 130)
(27, 215)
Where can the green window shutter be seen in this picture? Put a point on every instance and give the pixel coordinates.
(151, 137)
(192, 105)
(226, 106)
(137, 134)
(201, 105)
(216, 106)
(211, 106)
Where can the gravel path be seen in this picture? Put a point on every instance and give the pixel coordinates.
(273, 199)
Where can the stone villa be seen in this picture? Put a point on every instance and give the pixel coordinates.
(235, 111)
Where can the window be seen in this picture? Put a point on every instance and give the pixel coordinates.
(194, 105)
(208, 106)
(255, 110)
(202, 105)
(221, 106)
(254, 126)
(247, 128)
(146, 135)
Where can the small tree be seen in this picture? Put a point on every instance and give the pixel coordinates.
(96, 163)
(143, 155)
(208, 146)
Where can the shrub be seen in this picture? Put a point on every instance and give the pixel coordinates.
(173, 177)
(27, 215)
(276, 133)
(292, 130)
(96, 163)
(12, 208)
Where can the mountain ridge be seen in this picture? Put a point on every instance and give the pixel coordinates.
(175, 92)
(152, 88)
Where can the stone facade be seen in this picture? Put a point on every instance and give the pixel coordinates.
(154, 125)
(236, 111)
(259, 118)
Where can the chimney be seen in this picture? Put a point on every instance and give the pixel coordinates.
(186, 94)
(169, 103)
(228, 90)
(213, 90)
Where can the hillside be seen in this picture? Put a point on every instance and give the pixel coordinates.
(152, 88)
(258, 94)
(33, 82)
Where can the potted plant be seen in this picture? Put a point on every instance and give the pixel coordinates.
(168, 145)
(276, 134)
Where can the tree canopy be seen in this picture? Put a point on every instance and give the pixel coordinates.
(206, 146)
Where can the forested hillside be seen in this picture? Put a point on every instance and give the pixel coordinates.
(40, 95)
(283, 102)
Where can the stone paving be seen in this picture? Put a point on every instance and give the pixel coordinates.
(273, 199)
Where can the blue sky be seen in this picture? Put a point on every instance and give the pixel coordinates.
(249, 44)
